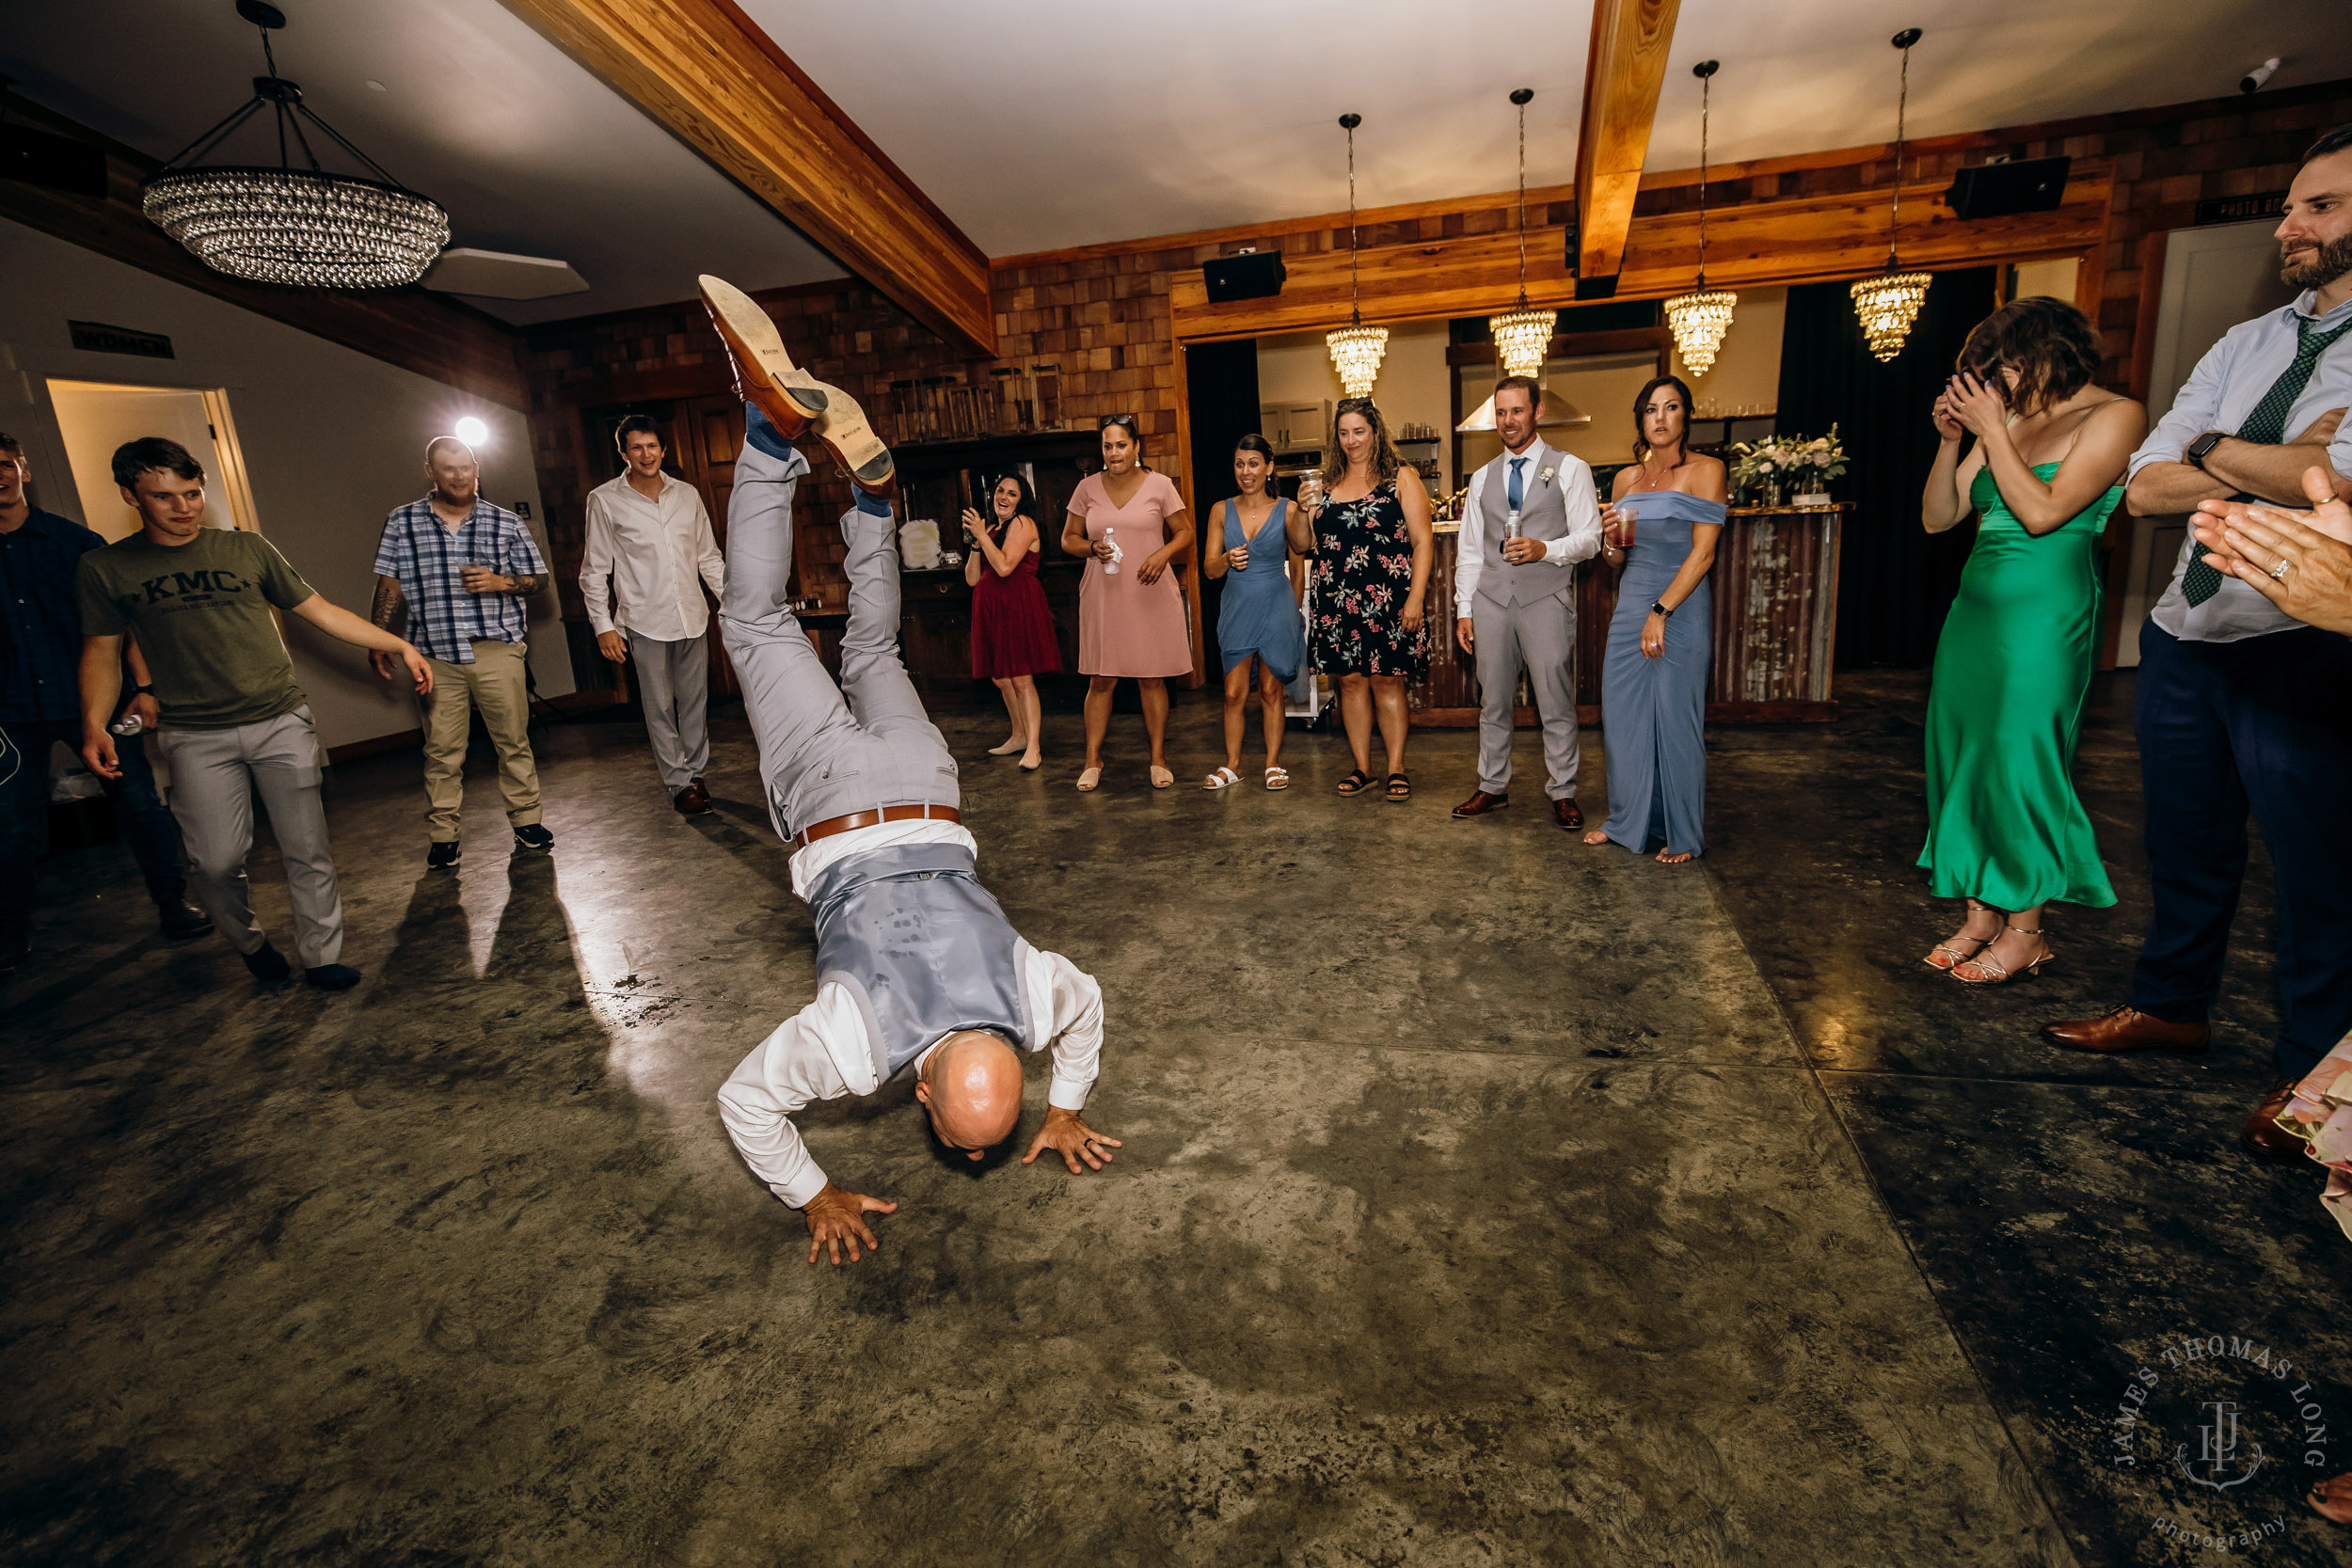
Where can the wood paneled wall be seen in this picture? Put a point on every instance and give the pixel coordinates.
(1102, 313)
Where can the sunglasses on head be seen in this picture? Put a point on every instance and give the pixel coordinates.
(1127, 421)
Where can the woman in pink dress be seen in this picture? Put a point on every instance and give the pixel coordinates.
(1129, 524)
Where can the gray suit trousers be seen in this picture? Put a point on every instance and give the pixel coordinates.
(673, 689)
(1540, 637)
(215, 776)
(825, 750)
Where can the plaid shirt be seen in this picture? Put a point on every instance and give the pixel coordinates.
(429, 557)
(40, 619)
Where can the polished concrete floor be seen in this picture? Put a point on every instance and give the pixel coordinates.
(1486, 1200)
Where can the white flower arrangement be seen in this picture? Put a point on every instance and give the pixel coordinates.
(1805, 466)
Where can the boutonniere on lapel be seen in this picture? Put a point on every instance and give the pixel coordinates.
(1546, 476)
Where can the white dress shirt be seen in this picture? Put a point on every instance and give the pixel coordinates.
(652, 551)
(1580, 542)
(822, 1053)
(2218, 395)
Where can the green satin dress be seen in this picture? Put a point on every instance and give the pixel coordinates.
(2012, 670)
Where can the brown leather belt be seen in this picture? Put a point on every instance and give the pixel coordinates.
(833, 825)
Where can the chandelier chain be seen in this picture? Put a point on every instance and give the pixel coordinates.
(1355, 306)
(1707, 88)
(1523, 205)
(1894, 211)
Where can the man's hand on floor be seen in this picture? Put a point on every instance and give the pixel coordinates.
(836, 1215)
(1067, 1135)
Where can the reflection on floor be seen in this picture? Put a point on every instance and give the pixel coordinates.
(1485, 1198)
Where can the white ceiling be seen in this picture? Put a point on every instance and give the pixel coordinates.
(1044, 123)
(528, 151)
(1037, 124)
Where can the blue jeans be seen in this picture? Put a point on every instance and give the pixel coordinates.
(147, 824)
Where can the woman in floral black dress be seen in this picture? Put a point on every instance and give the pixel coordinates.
(1371, 568)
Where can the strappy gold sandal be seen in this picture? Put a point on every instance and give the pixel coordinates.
(1956, 956)
(1996, 972)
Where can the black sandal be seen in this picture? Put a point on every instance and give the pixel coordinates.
(1356, 782)
(1400, 787)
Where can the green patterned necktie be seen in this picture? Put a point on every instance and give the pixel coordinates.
(2266, 426)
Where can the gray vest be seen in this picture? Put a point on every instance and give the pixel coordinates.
(1543, 515)
(922, 946)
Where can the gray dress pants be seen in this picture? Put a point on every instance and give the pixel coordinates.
(824, 751)
(1542, 637)
(673, 689)
(214, 776)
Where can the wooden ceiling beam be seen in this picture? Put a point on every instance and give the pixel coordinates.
(1796, 240)
(436, 338)
(709, 74)
(1623, 72)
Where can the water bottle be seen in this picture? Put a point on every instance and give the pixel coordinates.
(126, 726)
(1110, 567)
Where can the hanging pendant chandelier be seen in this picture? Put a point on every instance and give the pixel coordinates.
(1523, 335)
(1889, 302)
(303, 227)
(1357, 350)
(1700, 318)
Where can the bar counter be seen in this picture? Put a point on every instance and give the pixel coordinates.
(1775, 624)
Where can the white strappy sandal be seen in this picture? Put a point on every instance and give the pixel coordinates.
(1276, 778)
(1224, 777)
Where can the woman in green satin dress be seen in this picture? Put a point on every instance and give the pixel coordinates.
(2006, 831)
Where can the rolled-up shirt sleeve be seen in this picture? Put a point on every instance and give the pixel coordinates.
(2195, 409)
(790, 1069)
(1582, 540)
(1469, 547)
(1073, 1011)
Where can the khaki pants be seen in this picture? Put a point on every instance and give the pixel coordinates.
(493, 683)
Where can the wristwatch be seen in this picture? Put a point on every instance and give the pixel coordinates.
(1658, 607)
(142, 691)
(2198, 451)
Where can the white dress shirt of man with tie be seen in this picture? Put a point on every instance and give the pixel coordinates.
(1530, 517)
(651, 549)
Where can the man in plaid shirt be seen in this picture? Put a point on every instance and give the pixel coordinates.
(459, 573)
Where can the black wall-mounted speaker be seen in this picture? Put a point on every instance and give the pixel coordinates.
(1999, 190)
(1252, 277)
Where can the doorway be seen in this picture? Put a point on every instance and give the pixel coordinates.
(96, 416)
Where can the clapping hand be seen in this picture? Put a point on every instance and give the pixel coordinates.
(1975, 404)
(2299, 561)
(971, 523)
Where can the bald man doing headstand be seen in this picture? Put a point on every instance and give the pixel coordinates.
(918, 971)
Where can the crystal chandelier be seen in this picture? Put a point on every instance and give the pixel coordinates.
(1700, 318)
(303, 227)
(1888, 303)
(1523, 335)
(1357, 350)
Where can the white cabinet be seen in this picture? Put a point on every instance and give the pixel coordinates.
(1295, 426)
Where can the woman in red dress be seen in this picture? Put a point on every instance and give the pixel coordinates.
(1013, 629)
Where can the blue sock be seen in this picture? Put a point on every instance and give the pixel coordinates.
(873, 506)
(761, 433)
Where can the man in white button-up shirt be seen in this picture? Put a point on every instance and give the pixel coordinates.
(919, 974)
(649, 538)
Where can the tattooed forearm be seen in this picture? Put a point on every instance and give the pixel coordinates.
(527, 583)
(391, 610)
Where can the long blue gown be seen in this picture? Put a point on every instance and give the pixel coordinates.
(1259, 613)
(1653, 711)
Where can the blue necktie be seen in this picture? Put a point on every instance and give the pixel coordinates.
(1517, 493)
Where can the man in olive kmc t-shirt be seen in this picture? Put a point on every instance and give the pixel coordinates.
(234, 719)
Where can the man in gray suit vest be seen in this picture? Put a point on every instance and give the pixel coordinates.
(1532, 515)
(918, 974)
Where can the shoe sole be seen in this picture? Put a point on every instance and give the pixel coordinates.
(807, 403)
(2127, 1051)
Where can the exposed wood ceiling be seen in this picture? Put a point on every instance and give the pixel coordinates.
(706, 72)
(1624, 66)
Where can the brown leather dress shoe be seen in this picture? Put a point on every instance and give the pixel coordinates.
(1480, 803)
(1567, 813)
(692, 800)
(793, 399)
(2126, 1028)
(2262, 1134)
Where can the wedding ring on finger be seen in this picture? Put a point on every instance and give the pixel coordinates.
(2278, 573)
